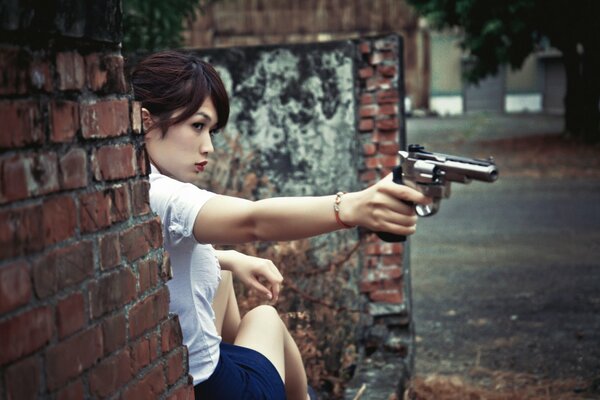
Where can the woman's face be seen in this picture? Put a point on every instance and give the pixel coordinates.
(182, 153)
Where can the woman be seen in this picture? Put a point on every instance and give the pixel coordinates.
(184, 103)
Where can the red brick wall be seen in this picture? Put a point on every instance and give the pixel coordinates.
(381, 125)
(83, 300)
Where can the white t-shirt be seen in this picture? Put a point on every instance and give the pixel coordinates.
(196, 271)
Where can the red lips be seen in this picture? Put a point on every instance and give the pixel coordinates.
(200, 166)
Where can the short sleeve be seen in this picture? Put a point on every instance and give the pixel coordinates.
(177, 204)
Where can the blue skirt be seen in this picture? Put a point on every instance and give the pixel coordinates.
(241, 373)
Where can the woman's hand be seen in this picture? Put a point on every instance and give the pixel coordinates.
(384, 207)
(254, 272)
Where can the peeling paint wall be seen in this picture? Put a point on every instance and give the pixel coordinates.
(294, 108)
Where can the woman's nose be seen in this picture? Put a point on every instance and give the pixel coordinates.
(206, 146)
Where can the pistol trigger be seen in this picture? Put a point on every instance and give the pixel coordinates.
(397, 174)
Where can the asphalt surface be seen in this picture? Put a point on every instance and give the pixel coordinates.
(506, 277)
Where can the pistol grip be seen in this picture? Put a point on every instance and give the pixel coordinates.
(390, 237)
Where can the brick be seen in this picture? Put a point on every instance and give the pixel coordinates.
(96, 75)
(153, 342)
(42, 177)
(386, 296)
(388, 109)
(65, 120)
(25, 333)
(107, 118)
(382, 274)
(385, 136)
(388, 96)
(368, 111)
(171, 335)
(136, 117)
(120, 200)
(110, 251)
(175, 367)
(140, 354)
(368, 176)
(388, 124)
(366, 125)
(74, 391)
(114, 332)
(148, 312)
(59, 219)
(115, 67)
(70, 315)
(391, 260)
(70, 69)
(15, 286)
(26, 176)
(366, 99)
(365, 72)
(62, 268)
(111, 374)
(389, 161)
(13, 67)
(148, 274)
(95, 211)
(22, 123)
(388, 71)
(372, 162)
(105, 72)
(140, 201)
(23, 379)
(111, 292)
(114, 162)
(13, 185)
(73, 167)
(71, 357)
(137, 241)
(20, 231)
(149, 386)
(389, 148)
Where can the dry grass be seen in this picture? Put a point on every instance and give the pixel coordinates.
(484, 384)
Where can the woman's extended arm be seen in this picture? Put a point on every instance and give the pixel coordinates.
(381, 207)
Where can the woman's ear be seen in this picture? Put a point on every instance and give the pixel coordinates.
(147, 121)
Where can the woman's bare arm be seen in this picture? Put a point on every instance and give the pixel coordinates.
(381, 207)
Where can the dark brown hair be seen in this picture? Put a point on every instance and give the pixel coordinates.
(173, 80)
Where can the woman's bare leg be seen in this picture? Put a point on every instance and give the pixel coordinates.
(225, 306)
(261, 329)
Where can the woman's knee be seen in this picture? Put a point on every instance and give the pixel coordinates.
(263, 313)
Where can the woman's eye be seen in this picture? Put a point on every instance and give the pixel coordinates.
(198, 125)
(215, 132)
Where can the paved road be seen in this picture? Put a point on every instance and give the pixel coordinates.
(506, 278)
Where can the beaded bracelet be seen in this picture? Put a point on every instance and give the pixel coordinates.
(336, 209)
